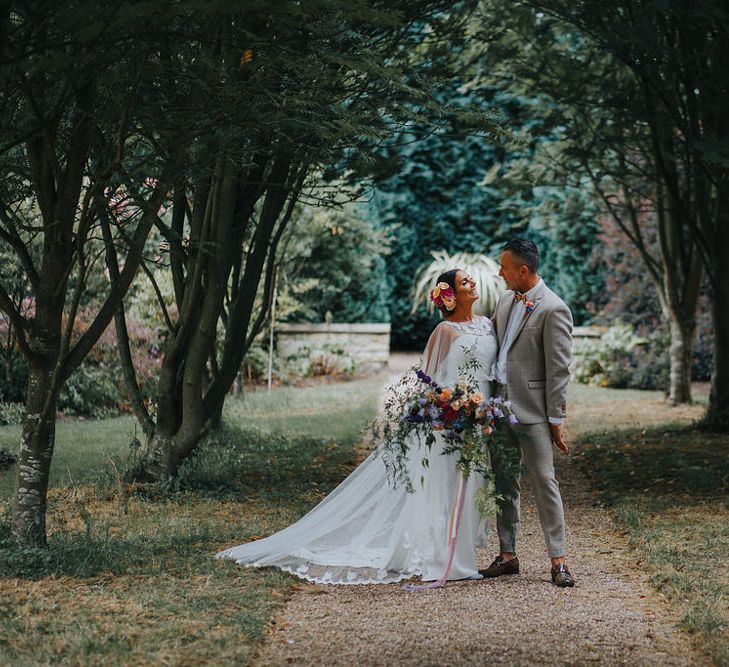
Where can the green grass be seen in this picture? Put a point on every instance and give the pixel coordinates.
(129, 575)
(668, 484)
(338, 410)
(83, 450)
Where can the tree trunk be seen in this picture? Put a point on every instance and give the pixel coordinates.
(717, 415)
(34, 460)
(158, 461)
(681, 358)
(190, 398)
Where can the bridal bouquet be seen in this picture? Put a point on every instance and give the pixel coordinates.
(418, 408)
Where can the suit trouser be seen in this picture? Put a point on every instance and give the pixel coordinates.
(534, 443)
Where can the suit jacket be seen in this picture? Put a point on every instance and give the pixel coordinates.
(537, 366)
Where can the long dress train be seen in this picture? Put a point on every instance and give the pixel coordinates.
(369, 531)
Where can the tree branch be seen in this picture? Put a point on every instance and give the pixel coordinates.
(160, 297)
(122, 335)
(114, 299)
(19, 322)
(14, 240)
(269, 282)
(177, 253)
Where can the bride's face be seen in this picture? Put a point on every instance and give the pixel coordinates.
(466, 291)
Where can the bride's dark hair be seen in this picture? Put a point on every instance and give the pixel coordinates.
(450, 278)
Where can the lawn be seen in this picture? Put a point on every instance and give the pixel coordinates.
(129, 576)
(78, 456)
(668, 485)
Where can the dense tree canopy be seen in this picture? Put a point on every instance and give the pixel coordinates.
(69, 100)
(206, 121)
(210, 122)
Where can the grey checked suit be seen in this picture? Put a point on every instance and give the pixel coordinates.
(537, 376)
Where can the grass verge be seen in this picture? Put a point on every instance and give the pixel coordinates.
(129, 575)
(668, 484)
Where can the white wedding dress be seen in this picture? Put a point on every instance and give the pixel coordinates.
(367, 530)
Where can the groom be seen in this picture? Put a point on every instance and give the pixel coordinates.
(534, 328)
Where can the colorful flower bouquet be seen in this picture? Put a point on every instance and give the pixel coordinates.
(418, 409)
(465, 424)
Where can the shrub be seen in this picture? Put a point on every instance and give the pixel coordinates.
(630, 296)
(648, 367)
(92, 390)
(605, 362)
(704, 346)
(95, 389)
(13, 374)
(334, 268)
(328, 359)
(11, 414)
(332, 361)
(255, 364)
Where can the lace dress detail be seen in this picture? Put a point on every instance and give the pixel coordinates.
(480, 326)
(368, 531)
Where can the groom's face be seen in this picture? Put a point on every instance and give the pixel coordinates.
(512, 271)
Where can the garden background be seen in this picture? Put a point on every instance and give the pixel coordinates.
(180, 178)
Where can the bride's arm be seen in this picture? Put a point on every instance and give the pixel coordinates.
(439, 346)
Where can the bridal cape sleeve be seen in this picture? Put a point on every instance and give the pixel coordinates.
(444, 358)
(439, 346)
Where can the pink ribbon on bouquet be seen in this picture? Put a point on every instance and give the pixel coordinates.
(452, 537)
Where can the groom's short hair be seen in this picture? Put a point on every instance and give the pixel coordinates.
(526, 251)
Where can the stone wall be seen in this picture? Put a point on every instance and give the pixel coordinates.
(367, 346)
(587, 333)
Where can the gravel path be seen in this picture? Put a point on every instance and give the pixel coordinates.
(611, 617)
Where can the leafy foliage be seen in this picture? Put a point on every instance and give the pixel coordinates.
(641, 87)
(601, 362)
(334, 269)
(630, 297)
(459, 421)
(452, 193)
(11, 414)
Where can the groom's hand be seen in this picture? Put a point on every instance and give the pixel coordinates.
(558, 438)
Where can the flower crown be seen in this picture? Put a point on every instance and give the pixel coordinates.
(443, 296)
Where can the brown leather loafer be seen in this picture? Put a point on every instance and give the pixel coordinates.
(500, 567)
(561, 576)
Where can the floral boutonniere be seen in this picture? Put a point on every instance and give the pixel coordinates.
(528, 305)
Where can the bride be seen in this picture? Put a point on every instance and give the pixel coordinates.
(369, 531)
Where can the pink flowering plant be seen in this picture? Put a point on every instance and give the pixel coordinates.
(470, 424)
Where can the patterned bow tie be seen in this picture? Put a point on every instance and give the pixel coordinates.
(529, 305)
